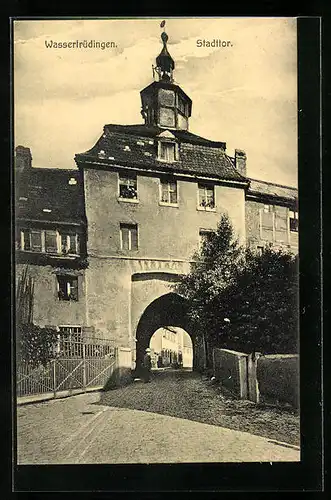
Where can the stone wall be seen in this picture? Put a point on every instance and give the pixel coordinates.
(278, 378)
(230, 369)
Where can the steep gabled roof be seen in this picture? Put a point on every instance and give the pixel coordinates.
(136, 146)
(47, 194)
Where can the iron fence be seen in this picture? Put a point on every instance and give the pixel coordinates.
(76, 365)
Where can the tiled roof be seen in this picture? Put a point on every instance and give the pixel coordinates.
(264, 188)
(49, 195)
(135, 146)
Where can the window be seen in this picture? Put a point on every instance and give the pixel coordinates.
(182, 106)
(129, 236)
(48, 241)
(204, 235)
(206, 197)
(67, 287)
(69, 243)
(294, 221)
(168, 192)
(35, 239)
(128, 187)
(167, 151)
(25, 239)
(260, 250)
(267, 209)
(51, 241)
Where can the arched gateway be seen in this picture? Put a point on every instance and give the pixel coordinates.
(169, 309)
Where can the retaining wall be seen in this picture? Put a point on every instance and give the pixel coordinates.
(230, 368)
(278, 378)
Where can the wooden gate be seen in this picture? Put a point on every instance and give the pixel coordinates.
(77, 367)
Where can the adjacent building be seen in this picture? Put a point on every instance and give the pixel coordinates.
(104, 243)
(171, 346)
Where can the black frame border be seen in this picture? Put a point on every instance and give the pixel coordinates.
(260, 477)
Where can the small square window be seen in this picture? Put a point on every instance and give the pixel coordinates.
(128, 187)
(129, 236)
(169, 191)
(67, 287)
(206, 197)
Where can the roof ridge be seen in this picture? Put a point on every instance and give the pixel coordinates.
(184, 133)
(273, 184)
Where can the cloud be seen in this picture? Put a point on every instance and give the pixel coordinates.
(244, 95)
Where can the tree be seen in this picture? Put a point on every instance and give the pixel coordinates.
(214, 269)
(35, 345)
(261, 305)
(240, 300)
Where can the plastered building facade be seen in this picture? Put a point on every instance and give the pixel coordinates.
(106, 242)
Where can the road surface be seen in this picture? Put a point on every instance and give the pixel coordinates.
(176, 418)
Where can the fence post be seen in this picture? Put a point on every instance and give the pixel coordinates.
(253, 386)
(84, 367)
(54, 376)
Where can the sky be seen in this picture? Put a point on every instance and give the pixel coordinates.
(244, 94)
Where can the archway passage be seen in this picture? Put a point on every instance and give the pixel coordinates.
(167, 310)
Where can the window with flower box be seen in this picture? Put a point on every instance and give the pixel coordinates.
(128, 187)
(206, 197)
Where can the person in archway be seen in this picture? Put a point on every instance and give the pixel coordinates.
(147, 366)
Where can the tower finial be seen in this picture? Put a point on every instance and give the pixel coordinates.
(164, 62)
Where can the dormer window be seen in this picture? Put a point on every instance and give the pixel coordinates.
(167, 151)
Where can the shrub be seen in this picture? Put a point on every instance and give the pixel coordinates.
(35, 345)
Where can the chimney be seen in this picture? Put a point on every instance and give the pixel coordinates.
(23, 158)
(240, 161)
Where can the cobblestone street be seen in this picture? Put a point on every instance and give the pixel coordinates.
(177, 417)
